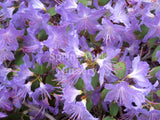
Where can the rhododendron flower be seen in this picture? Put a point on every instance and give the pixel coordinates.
(86, 19)
(139, 72)
(78, 111)
(125, 95)
(2, 115)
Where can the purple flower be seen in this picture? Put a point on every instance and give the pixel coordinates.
(86, 19)
(69, 76)
(8, 38)
(70, 93)
(2, 115)
(37, 4)
(134, 47)
(22, 75)
(5, 103)
(96, 96)
(153, 114)
(20, 18)
(3, 72)
(118, 13)
(44, 91)
(110, 32)
(57, 37)
(6, 11)
(6, 54)
(124, 95)
(21, 94)
(74, 43)
(32, 45)
(139, 72)
(154, 27)
(106, 66)
(78, 111)
(68, 5)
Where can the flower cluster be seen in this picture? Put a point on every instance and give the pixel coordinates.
(69, 59)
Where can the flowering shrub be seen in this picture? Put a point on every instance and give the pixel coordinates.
(74, 60)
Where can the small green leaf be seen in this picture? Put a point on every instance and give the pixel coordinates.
(103, 94)
(154, 71)
(95, 81)
(154, 54)
(89, 104)
(19, 58)
(49, 80)
(35, 85)
(42, 35)
(115, 59)
(88, 55)
(68, 28)
(102, 2)
(84, 2)
(61, 66)
(37, 69)
(158, 93)
(152, 41)
(156, 106)
(120, 69)
(144, 30)
(109, 118)
(0, 25)
(140, 35)
(51, 11)
(13, 116)
(102, 56)
(150, 96)
(113, 109)
(44, 68)
(80, 84)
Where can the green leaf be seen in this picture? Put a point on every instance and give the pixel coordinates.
(102, 56)
(150, 96)
(158, 93)
(102, 2)
(140, 35)
(120, 69)
(41, 69)
(156, 106)
(84, 2)
(19, 58)
(35, 85)
(61, 66)
(88, 55)
(89, 104)
(154, 71)
(68, 28)
(13, 116)
(51, 11)
(42, 35)
(44, 68)
(144, 30)
(104, 93)
(80, 84)
(49, 79)
(154, 54)
(113, 109)
(115, 59)
(95, 81)
(152, 41)
(109, 118)
(37, 69)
